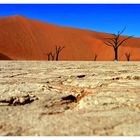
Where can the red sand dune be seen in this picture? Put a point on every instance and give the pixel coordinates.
(26, 39)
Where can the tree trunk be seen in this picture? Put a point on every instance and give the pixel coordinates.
(128, 59)
(57, 54)
(116, 53)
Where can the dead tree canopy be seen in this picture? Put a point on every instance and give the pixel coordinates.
(55, 56)
(116, 41)
(50, 56)
(58, 49)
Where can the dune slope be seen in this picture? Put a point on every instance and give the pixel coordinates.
(26, 39)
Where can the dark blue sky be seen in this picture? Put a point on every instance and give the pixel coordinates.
(99, 17)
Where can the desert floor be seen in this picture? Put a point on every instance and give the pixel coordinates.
(34, 98)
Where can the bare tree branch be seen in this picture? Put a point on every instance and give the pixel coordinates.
(108, 44)
(111, 39)
(55, 56)
(116, 42)
(50, 56)
(120, 32)
(58, 50)
(124, 40)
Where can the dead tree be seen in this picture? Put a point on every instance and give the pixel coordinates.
(95, 57)
(127, 55)
(50, 56)
(55, 56)
(58, 50)
(115, 41)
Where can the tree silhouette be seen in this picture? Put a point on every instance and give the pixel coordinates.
(50, 56)
(115, 41)
(55, 56)
(128, 55)
(95, 57)
(58, 50)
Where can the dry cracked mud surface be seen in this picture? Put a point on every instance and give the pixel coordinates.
(69, 98)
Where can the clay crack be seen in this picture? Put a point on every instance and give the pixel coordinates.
(19, 100)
